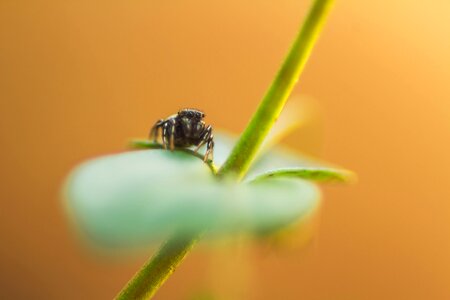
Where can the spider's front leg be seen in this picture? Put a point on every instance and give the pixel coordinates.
(153, 135)
(207, 138)
(168, 135)
(172, 135)
(209, 148)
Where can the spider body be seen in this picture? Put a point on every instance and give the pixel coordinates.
(185, 129)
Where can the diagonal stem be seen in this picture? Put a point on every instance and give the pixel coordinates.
(273, 102)
(153, 274)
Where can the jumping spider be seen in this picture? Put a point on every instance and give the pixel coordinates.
(184, 129)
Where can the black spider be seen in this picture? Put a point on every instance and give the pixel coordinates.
(184, 129)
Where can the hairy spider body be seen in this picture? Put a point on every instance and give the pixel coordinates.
(185, 129)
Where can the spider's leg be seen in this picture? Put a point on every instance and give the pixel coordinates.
(208, 139)
(209, 148)
(204, 137)
(154, 131)
(165, 134)
(172, 134)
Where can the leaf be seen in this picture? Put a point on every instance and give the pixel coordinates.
(298, 112)
(223, 144)
(282, 162)
(315, 174)
(147, 144)
(135, 198)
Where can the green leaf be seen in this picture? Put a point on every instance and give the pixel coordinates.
(315, 174)
(147, 144)
(223, 145)
(135, 198)
(282, 162)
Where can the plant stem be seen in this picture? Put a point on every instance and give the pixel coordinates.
(153, 274)
(273, 102)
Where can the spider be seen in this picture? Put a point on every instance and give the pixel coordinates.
(184, 129)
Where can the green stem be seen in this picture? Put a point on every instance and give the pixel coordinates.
(273, 102)
(153, 274)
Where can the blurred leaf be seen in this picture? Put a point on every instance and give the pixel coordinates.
(290, 118)
(223, 144)
(203, 295)
(138, 197)
(147, 144)
(299, 111)
(135, 198)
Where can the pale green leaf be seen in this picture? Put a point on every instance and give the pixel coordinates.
(135, 198)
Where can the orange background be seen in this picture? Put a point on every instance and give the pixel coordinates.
(78, 78)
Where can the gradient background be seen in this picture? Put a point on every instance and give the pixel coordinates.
(78, 78)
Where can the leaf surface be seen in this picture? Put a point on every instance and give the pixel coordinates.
(138, 197)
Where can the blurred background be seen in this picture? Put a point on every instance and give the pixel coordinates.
(79, 78)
